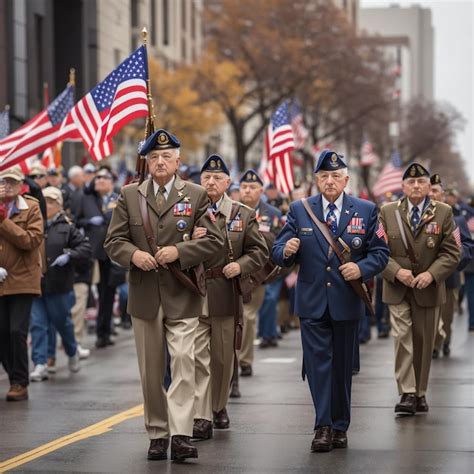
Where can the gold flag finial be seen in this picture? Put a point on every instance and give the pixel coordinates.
(144, 34)
(72, 77)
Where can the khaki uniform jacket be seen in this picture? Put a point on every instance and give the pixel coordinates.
(21, 239)
(249, 249)
(149, 290)
(434, 246)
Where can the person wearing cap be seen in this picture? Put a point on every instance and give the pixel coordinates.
(65, 246)
(234, 191)
(214, 347)
(453, 282)
(327, 305)
(98, 202)
(38, 173)
(89, 173)
(73, 191)
(424, 253)
(21, 236)
(54, 178)
(165, 313)
(269, 224)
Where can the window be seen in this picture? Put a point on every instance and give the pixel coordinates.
(134, 13)
(38, 21)
(166, 32)
(183, 15)
(153, 21)
(193, 20)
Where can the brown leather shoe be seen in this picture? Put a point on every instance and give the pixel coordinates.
(421, 404)
(182, 448)
(322, 441)
(234, 390)
(339, 439)
(221, 420)
(407, 404)
(202, 429)
(245, 370)
(158, 450)
(17, 393)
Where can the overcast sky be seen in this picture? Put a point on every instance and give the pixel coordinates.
(453, 26)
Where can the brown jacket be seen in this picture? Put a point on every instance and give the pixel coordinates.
(249, 249)
(149, 290)
(21, 237)
(436, 252)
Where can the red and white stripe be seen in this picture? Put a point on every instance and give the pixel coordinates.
(368, 156)
(280, 142)
(389, 180)
(98, 128)
(300, 132)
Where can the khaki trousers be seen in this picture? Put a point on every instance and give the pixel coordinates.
(414, 330)
(78, 311)
(249, 329)
(214, 355)
(446, 319)
(167, 413)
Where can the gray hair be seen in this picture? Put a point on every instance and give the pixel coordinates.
(343, 171)
(74, 171)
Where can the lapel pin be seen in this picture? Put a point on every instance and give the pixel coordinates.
(347, 211)
(186, 199)
(180, 193)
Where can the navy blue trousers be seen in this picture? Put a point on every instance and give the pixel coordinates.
(328, 358)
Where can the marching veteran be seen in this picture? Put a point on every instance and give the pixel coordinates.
(321, 232)
(150, 230)
(21, 237)
(423, 254)
(244, 253)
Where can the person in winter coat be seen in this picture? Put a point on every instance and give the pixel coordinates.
(21, 236)
(64, 245)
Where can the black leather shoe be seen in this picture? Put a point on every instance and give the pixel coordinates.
(158, 450)
(100, 343)
(245, 370)
(234, 391)
(109, 342)
(407, 404)
(435, 354)
(446, 350)
(273, 342)
(221, 420)
(322, 441)
(339, 439)
(202, 429)
(422, 405)
(182, 448)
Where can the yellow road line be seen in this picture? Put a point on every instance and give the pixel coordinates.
(94, 430)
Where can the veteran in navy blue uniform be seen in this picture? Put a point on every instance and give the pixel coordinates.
(328, 307)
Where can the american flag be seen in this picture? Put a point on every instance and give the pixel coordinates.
(368, 156)
(4, 123)
(118, 99)
(380, 232)
(300, 132)
(390, 178)
(41, 132)
(457, 237)
(279, 141)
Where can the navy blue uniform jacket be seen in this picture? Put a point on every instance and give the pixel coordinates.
(320, 285)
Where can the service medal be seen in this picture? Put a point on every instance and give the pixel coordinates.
(430, 243)
(356, 242)
(181, 225)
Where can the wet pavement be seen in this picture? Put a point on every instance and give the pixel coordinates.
(271, 425)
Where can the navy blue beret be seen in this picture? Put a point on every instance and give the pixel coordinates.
(215, 164)
(329, 161)
(159, 140)
(251, 176)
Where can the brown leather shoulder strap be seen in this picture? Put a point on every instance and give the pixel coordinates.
(150, 237)
(324, 230)
(406, 242)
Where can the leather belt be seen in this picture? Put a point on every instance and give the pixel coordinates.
(215, 272)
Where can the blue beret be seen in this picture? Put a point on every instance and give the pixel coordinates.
(215, 164)
(159, 140)
(329, 161)
(251, 176)
(234, 187)
(415, 170)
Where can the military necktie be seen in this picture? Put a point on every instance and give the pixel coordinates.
(331, 219)
(415, 218)
(160, 198)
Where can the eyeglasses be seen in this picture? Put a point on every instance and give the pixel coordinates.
(9, 181)
(37, 176)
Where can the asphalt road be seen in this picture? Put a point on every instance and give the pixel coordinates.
(271, 425)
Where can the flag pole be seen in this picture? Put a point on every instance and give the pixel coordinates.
(142, 167)
(72, 77)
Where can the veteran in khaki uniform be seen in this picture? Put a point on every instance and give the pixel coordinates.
(214, 350)
(164, 312)
(414, 286)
